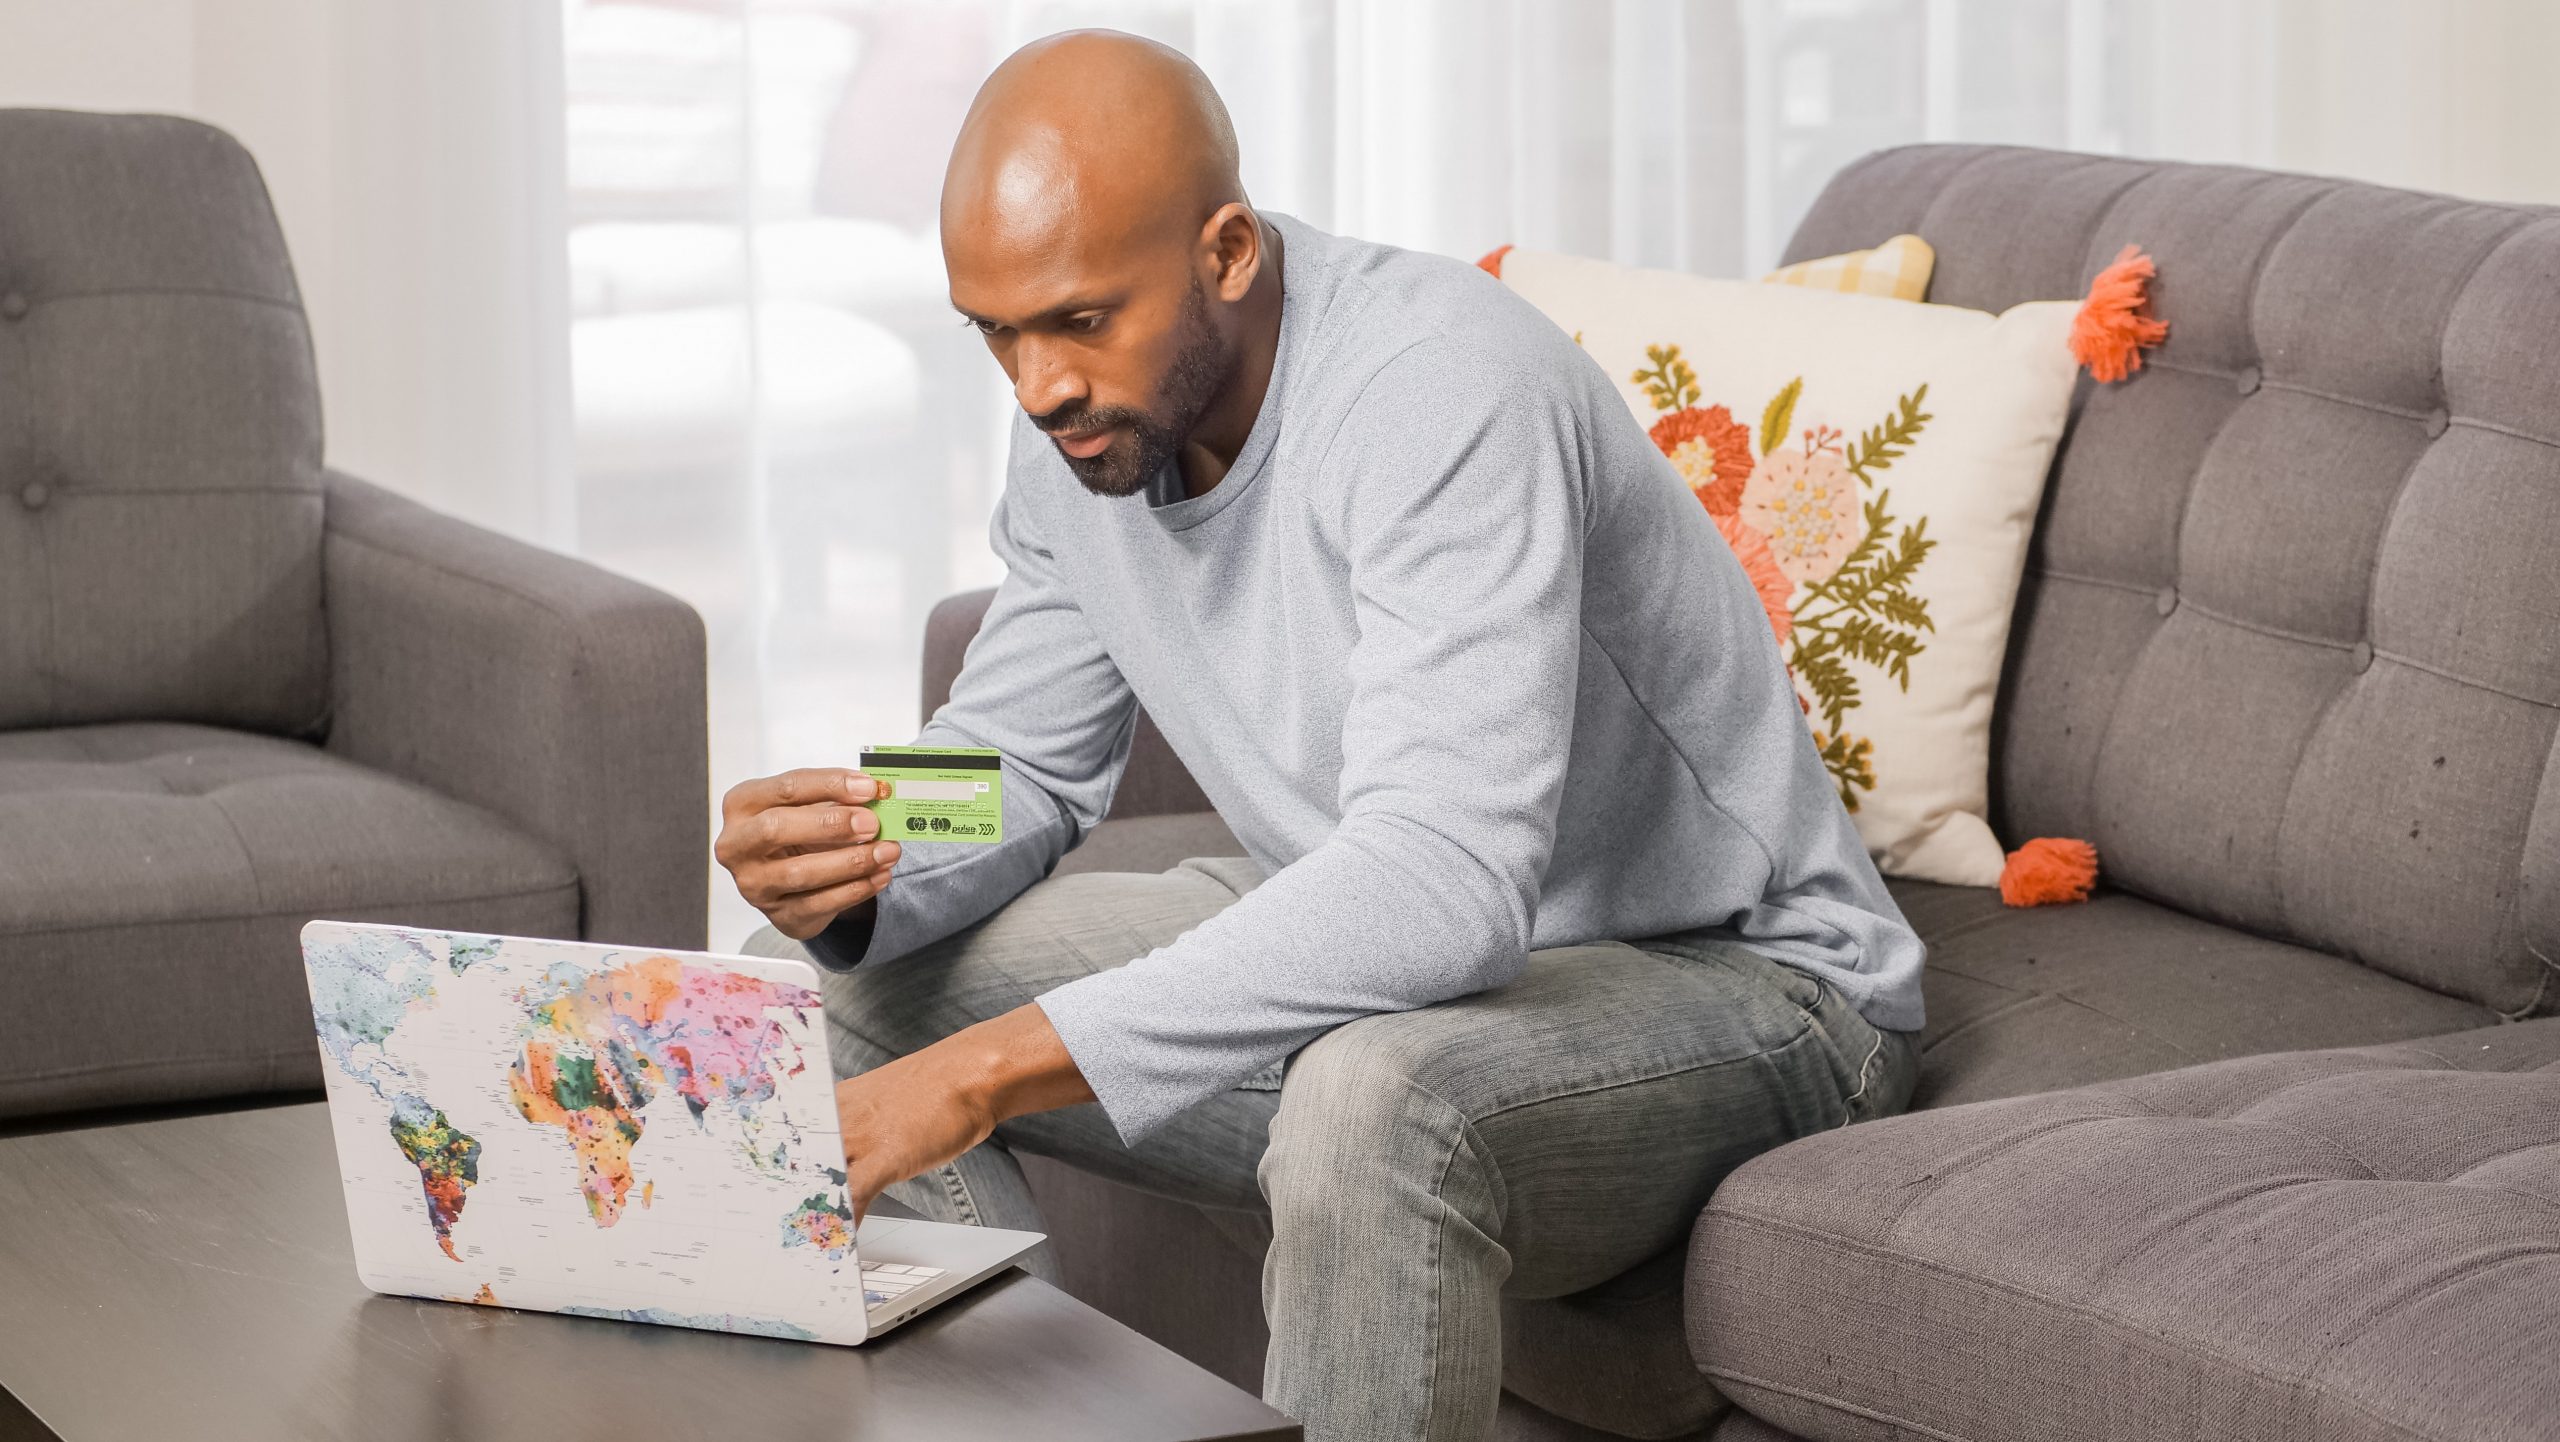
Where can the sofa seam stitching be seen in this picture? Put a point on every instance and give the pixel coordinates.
(248, 858)
(2404, 659)
(2364, 632)
(2186, 503)
(2056, 573)
(100, 492)
(154, 1063)
(545, 606)
(1956, 177)
(1937, 1180)
(1826, 1400)
(2019, 1001)
(570, 885)
(2144, 173)
(293, 307)
(2475, 423)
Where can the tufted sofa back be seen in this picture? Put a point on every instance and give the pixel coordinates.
(160, 502)
(2288, 650)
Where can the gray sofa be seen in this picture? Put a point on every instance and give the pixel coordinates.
(2250, 1145)
(238, 691)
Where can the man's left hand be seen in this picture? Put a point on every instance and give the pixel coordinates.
(922, 1111)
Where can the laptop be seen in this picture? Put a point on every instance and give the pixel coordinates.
(608, 1131)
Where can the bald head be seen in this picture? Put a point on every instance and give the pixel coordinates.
(1096, 231)
(1092, 130)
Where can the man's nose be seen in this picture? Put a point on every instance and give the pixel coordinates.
(1041, 382)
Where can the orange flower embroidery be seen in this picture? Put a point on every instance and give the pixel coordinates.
(1712, 452)
(1803, 523)
(1752, 550)
(1807, 505)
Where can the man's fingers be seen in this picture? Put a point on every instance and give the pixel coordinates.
(821, 870)
(768, 885)
(790, 830)
(804, 916)
(797, 788)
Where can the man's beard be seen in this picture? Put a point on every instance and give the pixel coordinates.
(1201, 369)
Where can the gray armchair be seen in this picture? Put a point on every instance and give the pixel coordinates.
(237, 691)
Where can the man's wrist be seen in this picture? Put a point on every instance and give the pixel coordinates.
(1013, 1065)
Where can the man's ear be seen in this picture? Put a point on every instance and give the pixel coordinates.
(1232, 241)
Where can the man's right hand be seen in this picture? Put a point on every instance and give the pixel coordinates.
(802, 847)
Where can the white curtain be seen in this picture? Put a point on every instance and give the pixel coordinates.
(779, 417)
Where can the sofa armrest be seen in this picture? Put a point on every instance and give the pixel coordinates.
(1156, 783)
(562, 697)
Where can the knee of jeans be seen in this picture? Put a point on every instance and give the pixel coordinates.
(865, 1025)
(1355, 1109)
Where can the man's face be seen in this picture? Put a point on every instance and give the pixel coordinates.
(1116, 360)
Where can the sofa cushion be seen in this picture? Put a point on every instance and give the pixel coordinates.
(2286, 649)
(2338, 1245)
(153, 877)
(2058, 996)
(160, 504)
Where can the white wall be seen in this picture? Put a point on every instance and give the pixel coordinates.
(413, 151)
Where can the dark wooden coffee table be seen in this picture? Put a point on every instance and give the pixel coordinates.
(191, 1278)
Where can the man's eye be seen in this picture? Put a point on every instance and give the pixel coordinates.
(982, 327)
(1085, 324)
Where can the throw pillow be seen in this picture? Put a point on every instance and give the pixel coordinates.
(1896, 270)
(1877, 467)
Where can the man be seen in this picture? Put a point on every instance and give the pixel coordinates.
(1552, 914)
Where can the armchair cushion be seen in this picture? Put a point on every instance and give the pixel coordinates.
(159, 434)
(153, 878)
(2354, 1244)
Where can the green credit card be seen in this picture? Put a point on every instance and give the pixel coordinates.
(937, 793)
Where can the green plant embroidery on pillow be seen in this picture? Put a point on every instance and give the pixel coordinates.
(1816, 534)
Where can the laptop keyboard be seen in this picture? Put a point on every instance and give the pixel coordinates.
(886, 1282)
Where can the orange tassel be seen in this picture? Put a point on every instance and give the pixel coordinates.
(1491, 264)
(2109, 334)
(2049, 869)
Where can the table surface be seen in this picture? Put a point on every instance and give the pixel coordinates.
(192, 1278)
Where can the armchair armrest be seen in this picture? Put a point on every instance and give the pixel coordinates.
(562, 697)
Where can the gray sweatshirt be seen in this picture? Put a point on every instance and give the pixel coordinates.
(1456, 655)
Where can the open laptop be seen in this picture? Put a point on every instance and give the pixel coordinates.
(608, 1131)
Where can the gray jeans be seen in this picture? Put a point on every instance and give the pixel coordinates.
(1414, 1167)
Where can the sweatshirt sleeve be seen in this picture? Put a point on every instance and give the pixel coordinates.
(1460, 512)
(1037, 685)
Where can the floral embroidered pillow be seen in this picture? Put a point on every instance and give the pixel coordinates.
(1876, 466)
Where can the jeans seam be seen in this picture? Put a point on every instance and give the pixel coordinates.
(1439, 1249)
(956, 1187)
(1639, 1078)
(1849, 1108)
